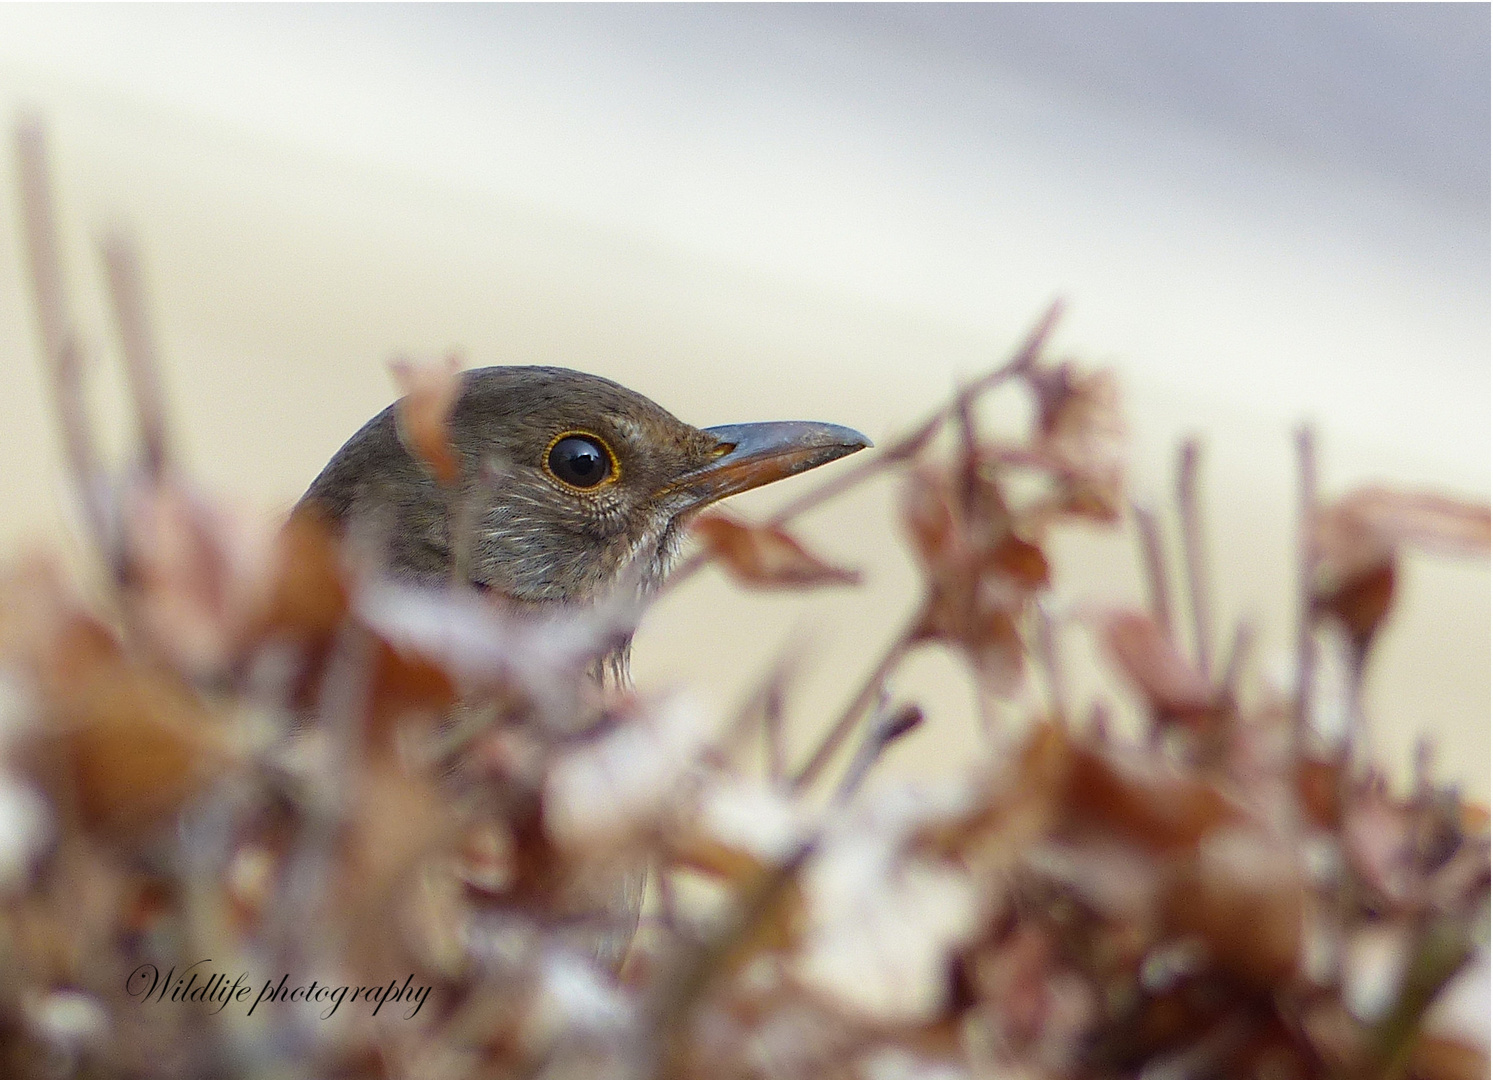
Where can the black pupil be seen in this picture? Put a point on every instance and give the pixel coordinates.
(579, 461)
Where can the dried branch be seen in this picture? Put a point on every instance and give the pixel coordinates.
(900, 451)
(1195, 554)
(847, 720)
(1233, 667)
(1306, 566)
(1047, 651)
(1073, 903)
(137, 343)
(59, 340)
(1442, 946)
(1153, 560)
(909, 445)
(772, 733)
(887, 726)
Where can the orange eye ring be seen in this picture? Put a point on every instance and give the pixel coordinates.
(556, 461)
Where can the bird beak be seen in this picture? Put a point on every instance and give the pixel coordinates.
(751, 455)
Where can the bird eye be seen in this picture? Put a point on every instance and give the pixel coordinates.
(582, 461)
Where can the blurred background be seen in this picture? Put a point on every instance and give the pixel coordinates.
(1259, 214)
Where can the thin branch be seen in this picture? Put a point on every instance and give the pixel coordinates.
(682, 992)
(886, 728)
(1153, 556)
(772, 733)
(1099, 723)
(902, 450)
(1195, 554)
(1443, 945)
(909, 445)
(843, 726)
(59, 340)
(1306, 563)
(668, 899)
(141, 360)
(1047, 652)
(1355, 730)
(765, 698)
(1233, 667)
(692, 565)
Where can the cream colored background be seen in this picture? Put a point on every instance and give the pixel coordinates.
(758, 214)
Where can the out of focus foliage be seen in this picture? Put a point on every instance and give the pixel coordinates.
(247, 745)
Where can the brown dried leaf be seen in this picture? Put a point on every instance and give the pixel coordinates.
(404, 687)
(307, 597)
(1241, 893)
(193, 574)
(990, 638)
(1378, 840)
(45, 630)
(1366, 526)
(123, 746)
(765, 556)
(1020, 563)
(1474, 818)
(1436, 1058)
(981, 575)
(929, 517)
(1081, 428)
(398, 817)
(1359, 537)
(133, 747)
(1317, 789)
(424, 413)
(1144, 800)
(1361, 602)
(1143, 651)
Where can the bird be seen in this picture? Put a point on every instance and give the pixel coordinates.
(567, 481)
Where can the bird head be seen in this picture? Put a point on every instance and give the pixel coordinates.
(567, 480)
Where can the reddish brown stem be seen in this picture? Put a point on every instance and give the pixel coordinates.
(1195, 554)
(904, 448)
(59, 341)
(127, 296)
(843, 726)
(1153, 556)
(1306, 563)
(1047, 651)
(909, 445)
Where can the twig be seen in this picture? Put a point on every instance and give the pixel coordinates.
(1153, 556)
(969, 453)
(1233, 667)
(764, 698)
(1442, 947)
(59, 341)
(682, 993)
(772, 732)
(1047, 651)
(343, 699)
(843, 726)
(127, 296)
(885, 729)
(909, 445)
(1355, 733)
(903, 449)
(1195, 554)
(1306, 564)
